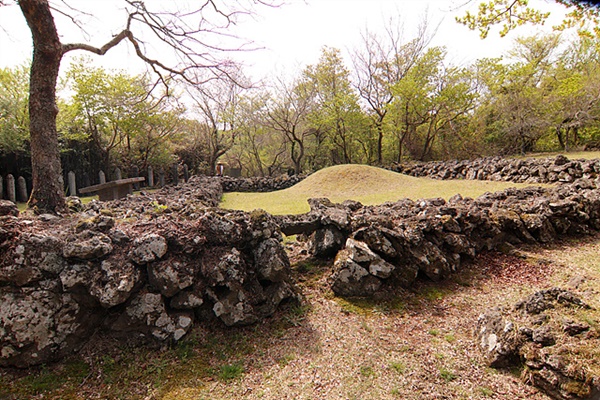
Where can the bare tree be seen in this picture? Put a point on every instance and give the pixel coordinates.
(288, 115)
(217, 103)
(189, 35)
(380, 64)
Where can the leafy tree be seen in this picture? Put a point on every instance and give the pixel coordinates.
(515, 102)
(409, 109)
(288, 113)
(14, 114)
(154, 143)
(216, 103)
(107, 110)
(193, 36)
(337, 113)
(379, 65)
(259, 151)
(574, 95)
(584, 15)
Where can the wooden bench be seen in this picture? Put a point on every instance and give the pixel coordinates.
(113, 190)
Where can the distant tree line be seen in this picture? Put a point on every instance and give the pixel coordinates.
(398, 100)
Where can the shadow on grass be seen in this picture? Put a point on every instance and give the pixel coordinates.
(214, 353)
(108, 368)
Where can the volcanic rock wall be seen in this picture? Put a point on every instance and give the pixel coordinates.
(530, 170)
(259, 184)
(146, 267)
(393, 243)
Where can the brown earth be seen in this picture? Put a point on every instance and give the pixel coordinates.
(409, 344)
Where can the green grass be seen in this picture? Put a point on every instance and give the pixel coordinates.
(398, 366)
(369, 185)
(447, 375)
(229, 372)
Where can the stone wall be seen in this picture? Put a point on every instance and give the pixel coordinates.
(259, 184)
(530, 170)
(393, 243)
(153, 265)
(148, 267)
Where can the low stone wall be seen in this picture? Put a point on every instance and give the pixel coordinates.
(530, 170)
(259, 184)
(393, 243)
(144, 267)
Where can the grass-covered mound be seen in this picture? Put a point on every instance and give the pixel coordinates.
(369, 185)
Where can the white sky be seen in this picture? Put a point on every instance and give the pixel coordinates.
(292, 35)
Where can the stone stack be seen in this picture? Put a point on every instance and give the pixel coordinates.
(530, 170)
(147, 267)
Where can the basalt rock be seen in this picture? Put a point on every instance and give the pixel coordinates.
(432, 238)
(147, 267)
(531, 170)
(259, 184)
(552, 359)
(8, 208)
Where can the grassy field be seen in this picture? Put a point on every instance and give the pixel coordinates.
(369, 185)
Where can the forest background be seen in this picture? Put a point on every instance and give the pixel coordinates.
(396, 97)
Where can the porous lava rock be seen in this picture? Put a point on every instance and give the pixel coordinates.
(432, 238)
(530, 170)
(552, 351)
(147, 267)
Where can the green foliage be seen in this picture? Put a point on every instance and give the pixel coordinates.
(581, 15)
(117, 118)
(509, 13)
(367, 371)
(402, 101)
(447, 375)
(398, 366)
(336, 115)
(14, 110)
(229, 372)
(485, 391)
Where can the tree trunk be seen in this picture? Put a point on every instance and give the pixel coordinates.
(48, 186)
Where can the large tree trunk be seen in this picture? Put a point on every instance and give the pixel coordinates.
(48, 186)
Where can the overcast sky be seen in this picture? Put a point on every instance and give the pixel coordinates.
(292, 35)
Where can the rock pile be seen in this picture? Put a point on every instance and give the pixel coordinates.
(147, 267)
(393, 243)
(546, 333)
(259, 184)
(531, 170)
